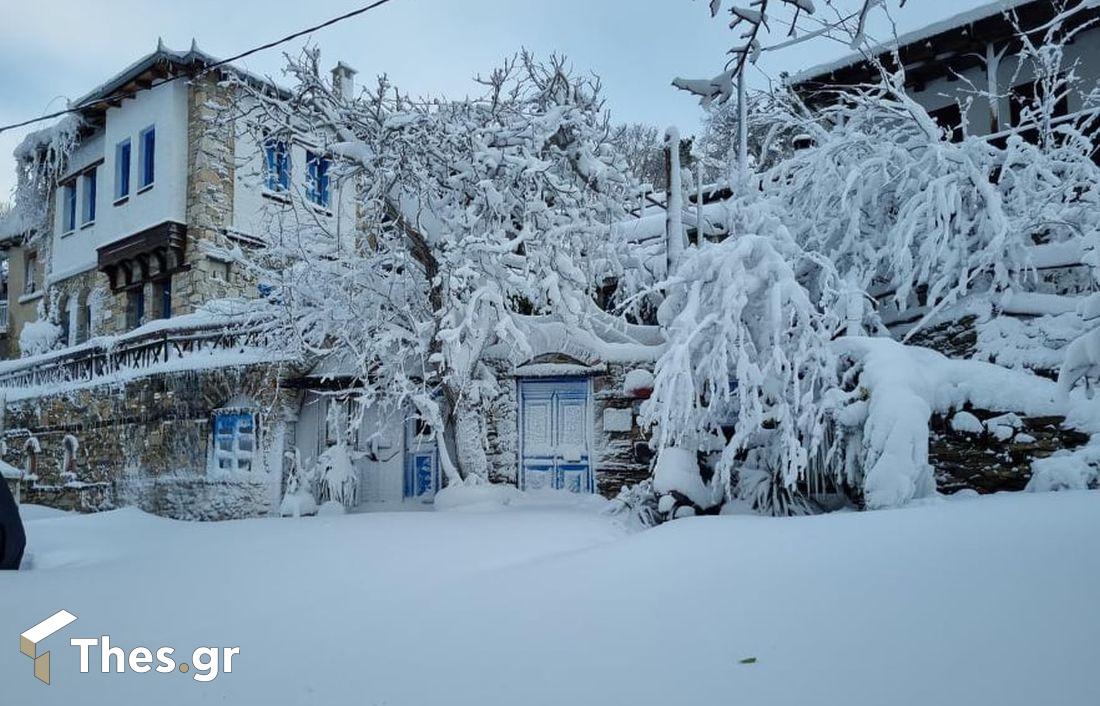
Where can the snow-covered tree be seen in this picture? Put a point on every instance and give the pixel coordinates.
(879, 198)
(642, 146)
(40, 159)
(748, 363)
(753, 22)
(472, 215)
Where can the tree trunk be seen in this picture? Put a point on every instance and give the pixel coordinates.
(469, 444)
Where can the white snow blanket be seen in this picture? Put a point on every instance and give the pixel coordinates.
(986, 602)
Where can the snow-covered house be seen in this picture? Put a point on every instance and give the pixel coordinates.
(968, 71)
(133, 379)
(126, 217)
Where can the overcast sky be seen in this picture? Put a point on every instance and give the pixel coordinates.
(53, 50)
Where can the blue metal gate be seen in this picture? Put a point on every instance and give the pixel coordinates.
(555, 424)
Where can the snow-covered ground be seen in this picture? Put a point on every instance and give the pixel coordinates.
(969, 601)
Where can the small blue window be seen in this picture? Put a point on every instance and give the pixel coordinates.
(317, 178)
(148, 156)
(277, 163)
(234, 440)
(122, 170)
(88, 212)
(70, 206)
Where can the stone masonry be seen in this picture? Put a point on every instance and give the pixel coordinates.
(146, 442)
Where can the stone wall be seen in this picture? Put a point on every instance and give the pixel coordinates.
(624, 456)
(157, 430)
(988, 464)
(211, 169)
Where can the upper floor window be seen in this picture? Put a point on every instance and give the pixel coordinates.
(30, 273)
(68, 206)
(148, 157)
(277, 164)
(317, 178)
(122, 170)
(88, 210)
(135, 307)
(162, 294)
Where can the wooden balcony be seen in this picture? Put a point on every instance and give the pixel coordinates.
(103, 357)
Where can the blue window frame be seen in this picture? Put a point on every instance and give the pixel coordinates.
(234, 440)
(317, 178)
(88, 214)
(277, 163)
(69, 204)
(122, 170)
(163, 293)
(135, 310)
(148, 156)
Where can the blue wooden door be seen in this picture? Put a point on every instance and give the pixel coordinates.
(421, 463)
(555, 419)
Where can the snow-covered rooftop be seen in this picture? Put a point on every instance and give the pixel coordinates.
(959, 19)
(161, 55)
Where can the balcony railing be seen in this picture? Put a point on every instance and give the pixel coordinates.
(102, 357)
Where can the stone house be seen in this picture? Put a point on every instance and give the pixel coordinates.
(127, 384)
(121, 387)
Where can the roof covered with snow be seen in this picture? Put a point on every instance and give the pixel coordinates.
(926, 33)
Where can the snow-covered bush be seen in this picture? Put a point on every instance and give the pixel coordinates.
(336, 478)
(638, 503)
(298, 499)
(39, 336)
(748, 362)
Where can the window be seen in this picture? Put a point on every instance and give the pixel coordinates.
(68, 205)
(317, 178)
(234, 440)
(30, 273)
(63, 320)
(135, 307)
(277, 164)
(148, 157)
(88, 210)
(84, 320)
(162, 295)
(122, 170)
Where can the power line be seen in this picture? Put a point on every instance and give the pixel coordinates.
(210, 67)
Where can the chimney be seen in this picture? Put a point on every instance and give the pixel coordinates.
(343, 81)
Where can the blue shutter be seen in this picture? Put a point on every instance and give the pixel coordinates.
(322, 180)
(122, 170)
(148, 156)
(313, 192)
(89, 195)
(277, 158)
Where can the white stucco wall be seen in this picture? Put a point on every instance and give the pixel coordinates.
(164, 107)
(256, 211)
